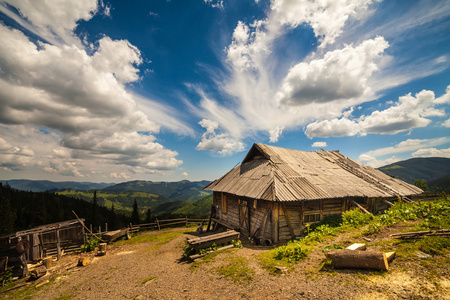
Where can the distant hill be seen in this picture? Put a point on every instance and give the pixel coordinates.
(199, 208)
(122, 201)
(427, 169)
(46, 185)
(185, 190)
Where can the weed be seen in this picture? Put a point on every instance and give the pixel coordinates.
(334, 246)
(292, 252)
(433, 245)
(373, 228)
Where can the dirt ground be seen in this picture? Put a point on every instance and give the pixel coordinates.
(143, 271)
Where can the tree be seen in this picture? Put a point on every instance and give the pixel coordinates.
(113, 218)
(135, 213)
(421, 184)
(7, 217)
(94, 211)
(148, 216)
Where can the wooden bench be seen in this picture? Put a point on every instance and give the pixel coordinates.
(209, 240)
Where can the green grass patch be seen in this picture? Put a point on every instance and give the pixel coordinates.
(237, 269)
(160, 238)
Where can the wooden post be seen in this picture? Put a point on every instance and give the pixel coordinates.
(90, 227)
(157, 222)
(106, 227)
(275, 212)
(58, 245)
(99, 229)
(186, 221)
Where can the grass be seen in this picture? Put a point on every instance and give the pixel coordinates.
(237, 270)
(160, 238)
(66, 296)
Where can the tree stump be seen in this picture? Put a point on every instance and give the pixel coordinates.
(48, 262)
(342, 258)
(83, 261)
(101, 249)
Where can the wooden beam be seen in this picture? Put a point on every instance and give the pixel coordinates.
(342, 258)
(360, 207)
(58, 244)
(275, 214)
(387, 202)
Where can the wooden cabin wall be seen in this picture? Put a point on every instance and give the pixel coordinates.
(231, 216)
(293, 210)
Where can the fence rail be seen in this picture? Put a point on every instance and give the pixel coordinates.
(158, 224)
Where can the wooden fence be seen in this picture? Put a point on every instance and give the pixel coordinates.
(158, 224)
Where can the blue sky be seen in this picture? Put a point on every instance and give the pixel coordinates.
(111, 91)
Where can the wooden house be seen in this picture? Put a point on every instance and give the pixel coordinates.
(275, 192)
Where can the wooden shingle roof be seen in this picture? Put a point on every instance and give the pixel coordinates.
(279, 174)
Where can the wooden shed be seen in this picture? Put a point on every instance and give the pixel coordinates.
(34, 244)
(275, 192)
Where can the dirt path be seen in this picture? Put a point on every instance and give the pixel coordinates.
(146, 271)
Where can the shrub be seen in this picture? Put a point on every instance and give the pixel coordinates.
(355, 218)
(373, 228)
(91, 244)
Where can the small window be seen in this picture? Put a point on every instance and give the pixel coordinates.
(224, 203)
(312, 216)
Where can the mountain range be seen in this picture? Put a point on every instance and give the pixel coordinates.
(188, 197)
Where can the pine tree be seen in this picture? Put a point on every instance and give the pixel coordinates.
(7, 217)
(135, 213)
(94, 211)
(113, 218)
(148, 216)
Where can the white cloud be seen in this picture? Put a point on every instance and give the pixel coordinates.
(408, 146)
(215, 3)
(222, 143)
(185, 174)
(319, 145)
(52, 20)
(335, 127)
(326, 18)
(375, 163)
(407, 113)
(432, 152)
(341, 74)
(78, 97)
(446, 123)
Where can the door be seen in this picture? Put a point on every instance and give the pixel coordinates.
(244, 218)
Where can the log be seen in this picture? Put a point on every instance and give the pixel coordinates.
(343, 258)
(38, 272)
(83, 261)
(360, 247)
(390, 256)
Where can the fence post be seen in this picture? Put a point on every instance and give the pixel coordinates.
(90, 227)
(157, 222)
(99, 229)
(106, 227)
(186, 221)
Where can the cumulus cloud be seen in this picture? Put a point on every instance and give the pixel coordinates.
(446, 123)
(319, 145)
(270, 93)
(432, 152)
(340, 74)
(78, 96)
(407, 113)
(222, 143)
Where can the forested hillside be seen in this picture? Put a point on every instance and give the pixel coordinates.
(20, 210)
(426, 169)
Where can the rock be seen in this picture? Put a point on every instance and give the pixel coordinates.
(422, 255)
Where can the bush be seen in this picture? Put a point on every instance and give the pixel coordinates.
(373, 228)
(92, 243)
(355, 218)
